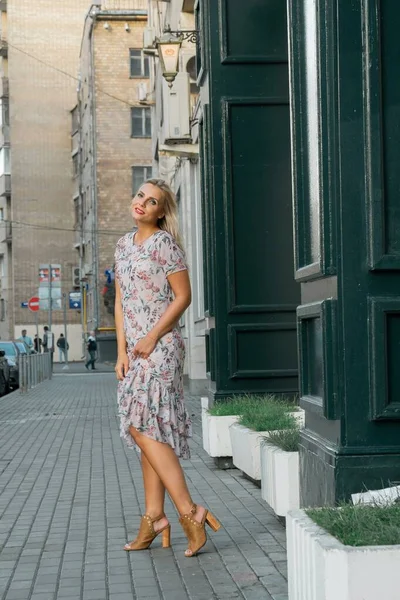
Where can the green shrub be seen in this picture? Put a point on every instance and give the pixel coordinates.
(268, 414)
(360, 525)
(229, 407)
(286, 439)
(237, 405)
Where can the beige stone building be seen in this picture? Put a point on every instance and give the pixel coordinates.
(39, 60)
(114, 111)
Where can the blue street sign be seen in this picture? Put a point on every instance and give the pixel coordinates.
(24, 305)
(75, 300)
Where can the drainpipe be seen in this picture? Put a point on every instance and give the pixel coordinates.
(95, 236)
(81, 219)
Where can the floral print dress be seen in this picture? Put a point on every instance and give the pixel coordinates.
(150, 397)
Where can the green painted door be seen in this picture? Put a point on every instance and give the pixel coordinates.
(345, 100)
(251, 294)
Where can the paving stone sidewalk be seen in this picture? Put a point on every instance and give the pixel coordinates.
(71, 495)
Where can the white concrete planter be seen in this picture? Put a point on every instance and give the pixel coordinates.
(216, 438)
(280, 482)
(246, 449)
(299, 415)
(321, 568)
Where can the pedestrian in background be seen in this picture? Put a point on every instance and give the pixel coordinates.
(38, 344)
(92, 349)
(48, 343)
(152, 293)
(26, 339)
(61, 345)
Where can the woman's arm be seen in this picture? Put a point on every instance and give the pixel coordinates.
(122, 366)
(180, 285)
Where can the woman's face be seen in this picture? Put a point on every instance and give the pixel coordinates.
(148, 205)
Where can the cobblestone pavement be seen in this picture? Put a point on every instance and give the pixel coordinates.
(71, 495)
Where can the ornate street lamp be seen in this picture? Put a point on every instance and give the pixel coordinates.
(168, 47)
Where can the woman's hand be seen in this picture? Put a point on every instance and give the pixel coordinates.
(145, 346)
(122, 366)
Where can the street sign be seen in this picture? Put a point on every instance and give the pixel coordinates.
(24, 305)
(44, 277)
(75, 300)
(33, 304)
(44, 296)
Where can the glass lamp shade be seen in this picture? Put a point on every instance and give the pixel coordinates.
(168, 51)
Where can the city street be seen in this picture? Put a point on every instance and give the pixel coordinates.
(71, 495)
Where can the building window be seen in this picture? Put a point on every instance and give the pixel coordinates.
(2, 272)
(75, 120)
(75, 165)
(77, 212)
(140, 122)
(4, 113)
(140, 64)
(4, 161)
(139, 175)
(1, 215)
(2, 310)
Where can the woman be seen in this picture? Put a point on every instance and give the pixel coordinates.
(152, 292)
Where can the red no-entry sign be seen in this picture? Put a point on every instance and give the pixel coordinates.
(33, 304)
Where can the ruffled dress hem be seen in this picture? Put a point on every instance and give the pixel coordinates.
(155, 409)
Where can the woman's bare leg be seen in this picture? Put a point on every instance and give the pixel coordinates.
(154, 493)
(166, 464)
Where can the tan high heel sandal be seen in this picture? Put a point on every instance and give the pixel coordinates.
(195, 531)
(147, 535)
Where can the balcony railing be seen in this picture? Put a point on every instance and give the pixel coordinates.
(4, 135)
(78, 236)
(4, 87)
(8, 232)
(3, 48)
(5, 185)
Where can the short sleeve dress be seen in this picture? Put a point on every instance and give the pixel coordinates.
(150, 397)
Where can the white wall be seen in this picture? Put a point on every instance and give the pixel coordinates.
(187, 181)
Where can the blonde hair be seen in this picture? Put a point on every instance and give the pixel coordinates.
(169, 222)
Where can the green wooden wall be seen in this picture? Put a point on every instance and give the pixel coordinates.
(251, 294)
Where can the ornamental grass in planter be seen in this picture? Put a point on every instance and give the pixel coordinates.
(261, 414)
(350, 552)
(279, 453)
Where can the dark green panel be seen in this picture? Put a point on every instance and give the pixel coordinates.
(390, 81)
(393, 358)
(265, 37)
(251, 267)
(384, 357)
(381, 93)
(315, 358)
(205, 215)
(202, 44)
(258, 205)
(344, 59)
(257, 351)
(329, 477)
(317, 340)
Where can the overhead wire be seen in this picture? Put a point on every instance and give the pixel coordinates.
(62, 72)
(70, 229)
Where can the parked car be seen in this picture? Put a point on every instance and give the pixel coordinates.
(22, 348)
(4, 374)
(11, 353)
